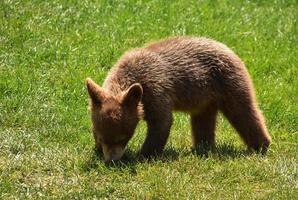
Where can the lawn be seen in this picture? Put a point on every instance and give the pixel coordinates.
(48, 48)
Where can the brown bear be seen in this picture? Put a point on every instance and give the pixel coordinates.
(198, 76)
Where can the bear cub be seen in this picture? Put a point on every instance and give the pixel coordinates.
(198, 76)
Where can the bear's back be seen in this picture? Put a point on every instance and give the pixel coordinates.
(184, 71)
(179, 49)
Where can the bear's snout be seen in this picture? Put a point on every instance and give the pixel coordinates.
(112, 153)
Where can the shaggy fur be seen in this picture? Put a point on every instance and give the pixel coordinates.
(195, 75)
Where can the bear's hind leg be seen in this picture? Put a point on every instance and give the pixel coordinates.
(246, 118)
(203, 126)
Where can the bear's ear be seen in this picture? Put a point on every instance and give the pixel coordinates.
(96, 93)
(133, 95)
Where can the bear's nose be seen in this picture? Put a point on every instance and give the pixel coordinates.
(112, 159)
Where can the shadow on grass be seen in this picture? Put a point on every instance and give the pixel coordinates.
(130, 159)
(94, 160)
(221, 151)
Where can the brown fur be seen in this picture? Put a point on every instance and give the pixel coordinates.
(195, 75)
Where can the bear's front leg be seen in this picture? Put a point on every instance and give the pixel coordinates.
(158, 133)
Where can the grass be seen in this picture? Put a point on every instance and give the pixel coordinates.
(48, 48)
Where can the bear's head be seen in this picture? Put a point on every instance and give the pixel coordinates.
(114, 118)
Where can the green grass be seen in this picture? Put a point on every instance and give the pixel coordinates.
(48, 48)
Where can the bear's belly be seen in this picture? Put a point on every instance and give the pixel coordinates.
(191, 106)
